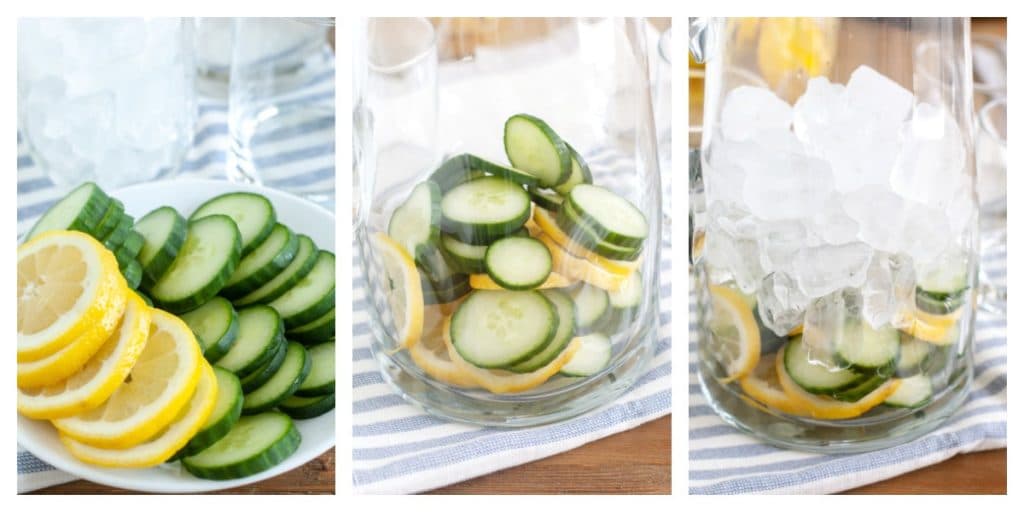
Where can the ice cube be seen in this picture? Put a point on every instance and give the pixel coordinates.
(821, 104)
(824, 269)
(731, 247)
(879, 97)
(832, 225)
(779, 243)
(786, 185)
(888, 291)
(931, 157)
(780, 303)
(924, 233)
(879, 213)
(824, 323)
(748, 110)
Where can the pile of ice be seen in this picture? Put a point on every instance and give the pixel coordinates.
(851, 187)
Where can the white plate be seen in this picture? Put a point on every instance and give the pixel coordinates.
(40, 438)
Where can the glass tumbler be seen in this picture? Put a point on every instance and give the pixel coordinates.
(111, 100)
(587, 81)
(836, 285)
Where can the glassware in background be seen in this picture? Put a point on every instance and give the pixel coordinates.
(282, 84)
(991, 157)
(837, 282)
(214, 38)
(402, 95)
(662, 97)
(988, 57)
(110, 100)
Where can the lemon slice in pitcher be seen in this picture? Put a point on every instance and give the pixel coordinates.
(736, 340)
(405, 297)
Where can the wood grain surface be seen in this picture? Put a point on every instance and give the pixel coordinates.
(315, 477)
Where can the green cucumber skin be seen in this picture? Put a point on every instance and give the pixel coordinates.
(483, 233)
(453, 172)
(319, 330)
(542, 199)
(277, 337)
(210, 435)
(791, 345)
(264, 274)
(451, 289)
(302, 408)
(536, 362)
(154, 269)
(213, 350)
(259, 237)
(110, 219)
(132, 273)
(322, 389)
(462, 263)
(508, 173)
(421, 251)
(249, 409)
(86, 220)
(493, 252)
(316, 309)
(119, 234)
(565, 159)
(280, 450)
(552, 329)
(870, 383)
(586, 175)
(212, 287)
(132, 244)
(300, 270)
(262, 374)
(599, 231)
(939, 303)
(582, 235)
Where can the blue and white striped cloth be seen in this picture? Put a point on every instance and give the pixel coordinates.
(300, 158)
(724, 461)
(398, 448)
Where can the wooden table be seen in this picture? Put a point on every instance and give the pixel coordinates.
(315, 477)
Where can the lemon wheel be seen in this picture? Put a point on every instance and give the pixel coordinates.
(762, 384)
(736, 339)
(405, 297)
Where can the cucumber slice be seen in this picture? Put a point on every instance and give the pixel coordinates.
(321, 329)
(563, 334)
(253, 214)
(415, 223)
(939, 303)
(912, 393)
(320, 380)
(215, 325)
(866, 386)
(110, 219)
(226, 412)
(311, 297)
(81, 210)
(305, 258)
(580, 173)
(594, 353)
(129, 248)
(546, 199)
(205, 262)
(254, 444)
(609, 215)
(592, 304)
(812, 376)
(629, 295)
(494, 329)
(260, 331)
(867, 349)
(163, 232)
(483, 210)
(582, 234)
(453, 172)
(264, 373)
(515, 175)
(467, 258)
(518, 262)
(914, 356)
(120, 233)
(283, 384)
(132, 273)
(263, 263)
(455, 288)
(301, 407)
(532, 146)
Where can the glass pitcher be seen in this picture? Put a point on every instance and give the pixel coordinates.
(457, 326)
(836, 231)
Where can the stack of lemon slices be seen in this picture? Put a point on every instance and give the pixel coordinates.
(124, 384)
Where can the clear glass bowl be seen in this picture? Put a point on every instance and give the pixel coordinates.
(836, 228)
(447, 87)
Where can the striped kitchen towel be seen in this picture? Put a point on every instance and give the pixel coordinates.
(299, 158)
(725, 461)
(398, 448)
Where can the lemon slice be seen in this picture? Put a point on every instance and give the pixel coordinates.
(735, 337)
(405, 296)
(501, 381)
(69, 291)
(792, 50)
(155, 391)
(827, 408)
(937, 329)
(165, 444)
(484, 282)
(543, 221)
(93, 383)
(581, 270)
(762, 384)
(431, 355)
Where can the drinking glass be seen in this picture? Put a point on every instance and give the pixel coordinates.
(836, 284)
(991, 158)
(588, 79)
(111, 100)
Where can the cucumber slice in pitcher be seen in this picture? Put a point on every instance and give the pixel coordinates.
(532, 146)
(485, 209)
(415, 224)
(518, 262)
(500, 328)
(580, 173)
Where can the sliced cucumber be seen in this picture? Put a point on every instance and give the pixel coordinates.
(870, 383)
(321, 329)
(630, 294)
(467, 258)
(532, 146)
(914, 356)
(260, 331)
(311, 297)
(609, 215)
(518, 262)
(205, 262)
(254, 444)
(283, 384)
(580, 173)
(215, 325)
(415, 224)
(129, 248)
(110, 219)
(120, 233)
(264, 373)
(867, 349)
(581, 233)
(546, 199)
(253, 214)
(813, 376)
(515, 175)
(305, 258)
(493, 329)
(81, 210)
(301, 407)
(263, 263)
(226, 412)
(939, 303)
(163, 231)
(592, 304)
(912, 393)
(443, 293)
(320, 380)
(132, 273)
(594, 353)
(563, 335)
(454, 171)
(485, 209)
